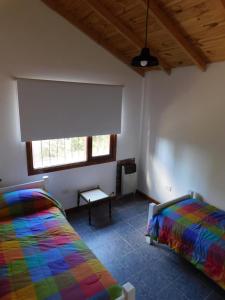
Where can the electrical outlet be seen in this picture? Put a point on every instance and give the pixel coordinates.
(169, 188)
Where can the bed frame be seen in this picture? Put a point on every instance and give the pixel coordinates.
(128, 292)
(40, 184)
(154, 209)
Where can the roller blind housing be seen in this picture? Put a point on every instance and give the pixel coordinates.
(55, 109)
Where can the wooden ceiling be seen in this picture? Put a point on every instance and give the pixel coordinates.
(181, 32)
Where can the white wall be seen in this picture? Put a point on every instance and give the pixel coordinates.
(183, 144)
(38, 43)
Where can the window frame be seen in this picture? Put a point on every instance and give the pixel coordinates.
(91, 160)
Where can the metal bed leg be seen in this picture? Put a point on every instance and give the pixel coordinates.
(89, 212)
(110, 209)
(78, 199)
(149, 240)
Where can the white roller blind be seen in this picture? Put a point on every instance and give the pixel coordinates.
(55, 109)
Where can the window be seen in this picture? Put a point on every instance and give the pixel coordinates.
(60, 154)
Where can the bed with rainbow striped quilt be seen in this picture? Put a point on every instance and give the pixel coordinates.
(41, 257)
(196, 230)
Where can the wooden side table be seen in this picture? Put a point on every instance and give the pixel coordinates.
(93, 196)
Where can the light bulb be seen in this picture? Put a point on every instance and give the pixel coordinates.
(144, 63)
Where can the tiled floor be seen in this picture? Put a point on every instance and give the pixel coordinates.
(155, 271)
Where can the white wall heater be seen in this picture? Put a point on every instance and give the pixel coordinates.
(129, 182)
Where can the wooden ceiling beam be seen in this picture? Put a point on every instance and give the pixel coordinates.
(91, 33)
(176, 32)
(124, 30)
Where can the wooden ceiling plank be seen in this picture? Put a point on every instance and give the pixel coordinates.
(124, 31)
(175, 31)
(92, 34)
(223, 3)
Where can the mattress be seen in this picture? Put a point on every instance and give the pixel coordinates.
(41, 257)
(196, 230)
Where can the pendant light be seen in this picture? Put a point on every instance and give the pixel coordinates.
(145, 59)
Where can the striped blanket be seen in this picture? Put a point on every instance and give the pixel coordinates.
(41, 257)
(196, 230)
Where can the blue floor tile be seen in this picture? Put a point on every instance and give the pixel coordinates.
(148, 283)
(170, 293)
(138, 221)
(134, 238)
(113, 248)
(192, 286)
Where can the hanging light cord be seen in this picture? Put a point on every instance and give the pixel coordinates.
(146, 25)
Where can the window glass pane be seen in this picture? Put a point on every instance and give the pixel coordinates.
(37, 157)
(48, 153)
(100, 145)
(45, 150)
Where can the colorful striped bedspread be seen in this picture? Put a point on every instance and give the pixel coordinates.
(196, 230)
(41, 257)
